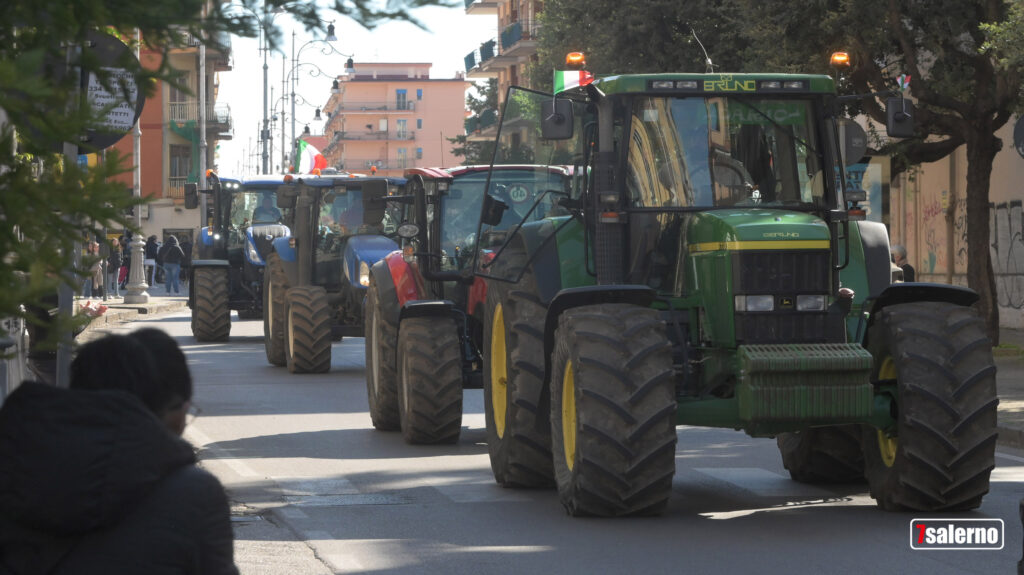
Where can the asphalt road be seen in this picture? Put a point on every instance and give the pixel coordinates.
(317, 490)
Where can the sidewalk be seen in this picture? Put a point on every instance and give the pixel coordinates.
(1009, 356)
(118, 311)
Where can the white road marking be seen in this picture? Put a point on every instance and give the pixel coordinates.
(1010, 457)
(763, 482)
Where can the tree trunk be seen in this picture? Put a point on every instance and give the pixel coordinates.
(981, 150)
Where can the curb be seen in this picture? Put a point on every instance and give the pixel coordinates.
(119, 314)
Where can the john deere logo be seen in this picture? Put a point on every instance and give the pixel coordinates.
(786, 302)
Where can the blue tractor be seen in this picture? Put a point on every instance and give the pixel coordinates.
(226, 271)
(315, 279)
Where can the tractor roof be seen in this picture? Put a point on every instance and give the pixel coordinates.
(716, 84)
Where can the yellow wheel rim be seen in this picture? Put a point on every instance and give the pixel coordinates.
(887, 446)
(569, 415)
(499, 371)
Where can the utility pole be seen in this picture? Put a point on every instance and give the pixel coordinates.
(265, 133)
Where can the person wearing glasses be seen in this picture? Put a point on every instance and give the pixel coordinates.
(97, 479)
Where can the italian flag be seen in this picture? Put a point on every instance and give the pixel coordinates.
(309, 158)
(569, 79)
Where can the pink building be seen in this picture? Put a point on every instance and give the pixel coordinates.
(393, 116)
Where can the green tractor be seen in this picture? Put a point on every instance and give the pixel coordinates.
(711, 267)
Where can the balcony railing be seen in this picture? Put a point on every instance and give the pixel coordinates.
(359, 164)
(518, 31)
(375, 135)
(389, 106)
(188, 111)
(176, 187)
(485, 120)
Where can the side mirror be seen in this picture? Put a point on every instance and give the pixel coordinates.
(191, 196)
(899, 118)
(493, 210)
(408, 231)
(855, 141)
(855, 196)
(556, 119)
(375, 193)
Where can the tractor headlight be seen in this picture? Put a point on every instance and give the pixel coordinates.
(755, 302)
(254, 256)
(810, 303)
(364, 274)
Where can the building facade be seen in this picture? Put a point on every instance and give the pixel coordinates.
(171, 144)
(387, 117)
(505, 57)
(929, 217)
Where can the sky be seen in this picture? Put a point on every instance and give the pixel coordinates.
(450, 34)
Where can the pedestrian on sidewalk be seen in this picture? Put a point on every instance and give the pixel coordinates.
(170, 257)
(186, 246)
(899, 257)
(97, 480)
(114, 262)
(93, 283)
(152, 249)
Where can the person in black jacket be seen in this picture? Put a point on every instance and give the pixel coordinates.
(899, 257)
(170, 257)
(152, 251)
(96, 479)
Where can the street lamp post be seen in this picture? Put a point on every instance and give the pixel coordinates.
(265, 22)
(328, 50)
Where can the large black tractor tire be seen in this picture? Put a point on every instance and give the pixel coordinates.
(518, 425)
(942, 453)
(823, 454)
(429, 380)
(613, 411)
(275, 285)
(211, 316)
(381, 361)
(307, 330)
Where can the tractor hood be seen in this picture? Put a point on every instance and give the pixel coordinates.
(365, 248)
(756, 229)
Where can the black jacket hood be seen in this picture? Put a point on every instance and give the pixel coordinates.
(75, 461)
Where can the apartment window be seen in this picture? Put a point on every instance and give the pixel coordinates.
(419, 153)
(419, 94)
(419, 123)
(181, 161)
(402, 157)
(401, 129)
(401, 101)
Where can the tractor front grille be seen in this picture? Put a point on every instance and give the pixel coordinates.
(264, 235)
(784, 275)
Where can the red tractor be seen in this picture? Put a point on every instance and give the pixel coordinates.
(424, 308)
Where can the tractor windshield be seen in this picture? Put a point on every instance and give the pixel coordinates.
(704, 152)
(251, 206)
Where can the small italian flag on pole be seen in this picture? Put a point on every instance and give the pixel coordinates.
(569, 79)
(309, 158)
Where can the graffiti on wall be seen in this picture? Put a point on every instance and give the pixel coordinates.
(1006, 245)
(960, 233)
